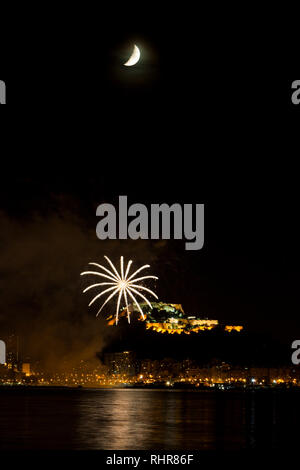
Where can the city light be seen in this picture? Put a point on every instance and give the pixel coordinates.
(124, 369)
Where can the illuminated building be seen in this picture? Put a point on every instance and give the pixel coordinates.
(230, 328)
(121, 363)
(26, 368)
(12, 351)
(11, 360)
(171, 318)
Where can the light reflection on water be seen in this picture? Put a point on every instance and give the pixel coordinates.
(143, 419)
(147, 419)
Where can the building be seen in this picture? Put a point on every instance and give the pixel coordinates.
(170, 318)
(26, 368)
(121, 364)
(12, 351)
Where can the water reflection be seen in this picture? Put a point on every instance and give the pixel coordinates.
(141, 419)
(144, 419)
(148, 419)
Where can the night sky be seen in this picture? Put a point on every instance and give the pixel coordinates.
(189, 124)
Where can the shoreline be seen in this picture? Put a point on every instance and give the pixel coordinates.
(5, 388)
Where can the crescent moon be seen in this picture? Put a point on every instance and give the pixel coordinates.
(134, 58)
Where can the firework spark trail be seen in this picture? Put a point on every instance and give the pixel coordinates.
(121, 284)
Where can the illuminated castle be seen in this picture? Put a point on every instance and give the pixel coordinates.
(170, 318)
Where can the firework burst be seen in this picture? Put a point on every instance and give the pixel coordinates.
(123, 285)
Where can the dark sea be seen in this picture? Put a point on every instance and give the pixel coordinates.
(128, 419)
